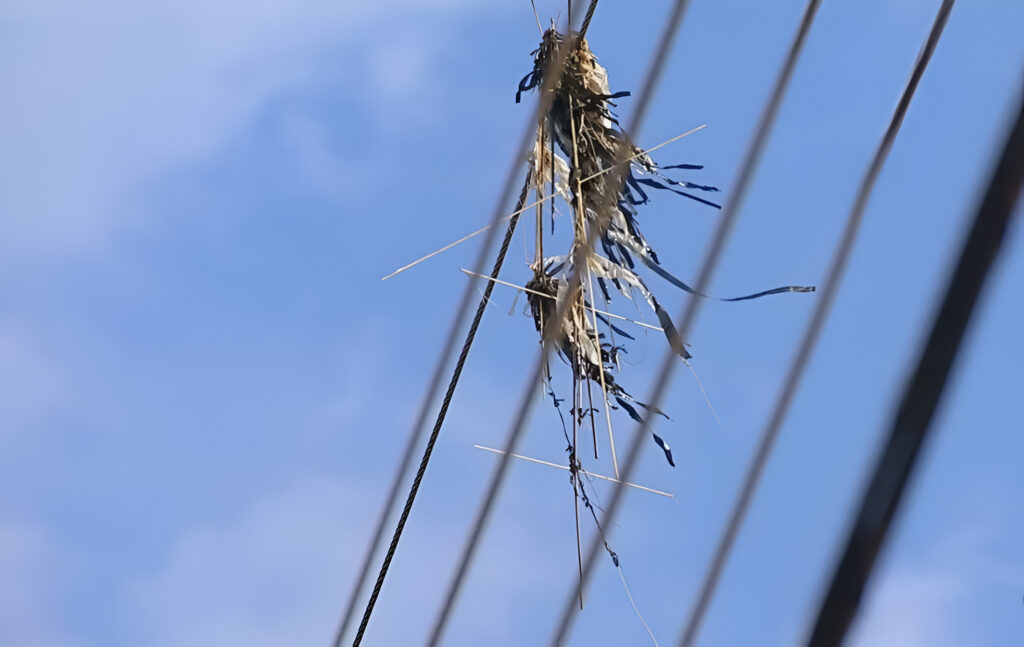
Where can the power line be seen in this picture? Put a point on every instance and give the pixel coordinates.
(922, 394)
(810, 337)
(428, 451)
(715, 249)
(555, 66)
(587, 18)
(548, 338)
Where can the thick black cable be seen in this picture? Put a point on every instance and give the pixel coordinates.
(556, 65)
(549, 336)
(456, 374)
(840, 259)
(587, 18)
(922, 394)
(715, 249)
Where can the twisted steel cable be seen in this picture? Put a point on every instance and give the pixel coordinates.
(428, 451)
(587, 18)
(555, 67)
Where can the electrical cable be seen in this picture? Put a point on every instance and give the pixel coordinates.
(587, 18)
(811, 334)
(922, 394)
(428, 451)
(556, 65)
(549, 335)
(715, 249)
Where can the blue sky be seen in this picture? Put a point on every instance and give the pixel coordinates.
(204, 385)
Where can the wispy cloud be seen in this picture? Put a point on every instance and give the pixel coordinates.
(30, 380)
(927, 601)
(915, 608)
(277, 575)
(271, 576)
(102, 98)
(34, 570)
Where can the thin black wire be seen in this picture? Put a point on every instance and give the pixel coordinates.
(428, 451)
(556, 65)
(548, 338)
(922, 394)
(715, 249)
(810, 338)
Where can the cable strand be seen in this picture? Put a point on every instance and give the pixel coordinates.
(555, 69)
(812, 333)
(452, 384)
(714, 251)
(922, 394)
(587, 18)
(549, 338)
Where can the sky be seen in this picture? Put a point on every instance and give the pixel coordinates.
(205, 386)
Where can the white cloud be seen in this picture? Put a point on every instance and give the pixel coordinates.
(31, 573)
(270, 577)
(101, 98)
(914, 608)
(923, 602)
(278, 574)
(30, 382)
